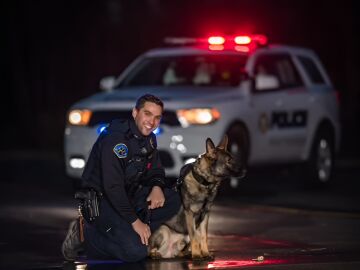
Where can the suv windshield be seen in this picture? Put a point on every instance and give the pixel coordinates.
(193, 70)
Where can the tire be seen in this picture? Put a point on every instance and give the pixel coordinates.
(238, 145)
(321, 162)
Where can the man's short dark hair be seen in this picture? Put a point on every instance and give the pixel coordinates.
(140, 103)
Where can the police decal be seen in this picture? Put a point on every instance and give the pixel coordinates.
(284, 119)
(121, 150)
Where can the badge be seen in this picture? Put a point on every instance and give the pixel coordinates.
(152, 144)
(121, 150)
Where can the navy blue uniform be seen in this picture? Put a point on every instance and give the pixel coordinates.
(123, 166)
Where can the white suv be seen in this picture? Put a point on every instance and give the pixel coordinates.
(276, 103)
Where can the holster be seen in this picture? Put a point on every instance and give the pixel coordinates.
(89, 200)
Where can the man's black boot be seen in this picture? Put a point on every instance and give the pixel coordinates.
(72, 244)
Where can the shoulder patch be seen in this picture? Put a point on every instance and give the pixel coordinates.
(121, 150)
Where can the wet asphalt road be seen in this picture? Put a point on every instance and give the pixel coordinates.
(270, 215)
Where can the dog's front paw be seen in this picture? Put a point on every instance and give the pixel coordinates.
(154, 254)
(184, 254)
(197, 257)
(203, 257)
(208, 256)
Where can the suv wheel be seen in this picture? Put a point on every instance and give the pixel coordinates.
(321, 162)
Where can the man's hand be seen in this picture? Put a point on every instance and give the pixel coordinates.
(143, 230)
(156, 198)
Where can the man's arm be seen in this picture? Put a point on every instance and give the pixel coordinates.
(113, 167)
(113, 175)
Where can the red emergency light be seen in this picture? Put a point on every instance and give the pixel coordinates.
(216, 40)
(242, 40)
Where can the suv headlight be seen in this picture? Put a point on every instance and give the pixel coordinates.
(197, 116)
(79, 117)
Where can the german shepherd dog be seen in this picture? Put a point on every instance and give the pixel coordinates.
(187, 232)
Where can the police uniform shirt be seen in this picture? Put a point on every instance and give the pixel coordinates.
(119, 153)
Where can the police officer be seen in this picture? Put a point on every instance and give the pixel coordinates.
(125, 170)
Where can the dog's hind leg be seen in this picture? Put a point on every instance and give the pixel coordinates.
(167, 243)
(157, 241)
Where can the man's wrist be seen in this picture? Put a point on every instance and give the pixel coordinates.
(136, 221)
(158, 182)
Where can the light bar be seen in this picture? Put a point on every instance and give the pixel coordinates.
(243, 40)
(222, 42)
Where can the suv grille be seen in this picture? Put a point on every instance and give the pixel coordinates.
(100, 117)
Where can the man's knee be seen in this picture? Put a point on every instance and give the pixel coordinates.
(135, 253)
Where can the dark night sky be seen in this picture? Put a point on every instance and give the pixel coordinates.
(57, 51)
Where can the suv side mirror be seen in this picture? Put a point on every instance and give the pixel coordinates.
(107, 83)
(266, 82)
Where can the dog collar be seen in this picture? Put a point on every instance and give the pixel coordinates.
(200, 179)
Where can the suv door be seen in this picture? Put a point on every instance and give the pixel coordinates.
(280, 103)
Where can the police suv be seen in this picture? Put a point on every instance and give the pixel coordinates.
(276, 103)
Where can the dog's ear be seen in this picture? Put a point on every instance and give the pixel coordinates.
(210, 146)
(224, 142)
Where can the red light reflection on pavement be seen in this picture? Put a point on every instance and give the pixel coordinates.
(235, 263)
(232, 242)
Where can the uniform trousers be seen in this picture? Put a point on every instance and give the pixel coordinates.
(112, 237)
